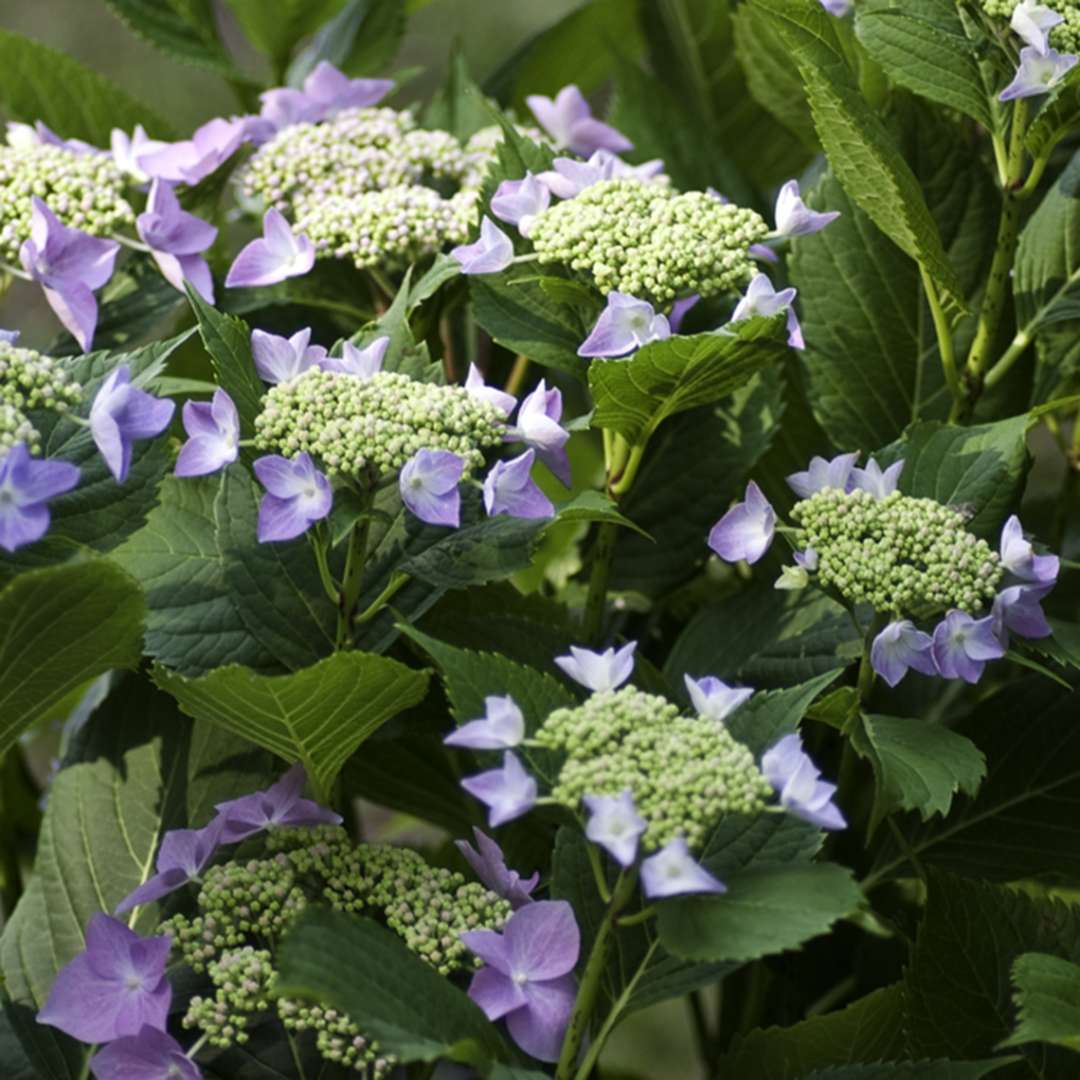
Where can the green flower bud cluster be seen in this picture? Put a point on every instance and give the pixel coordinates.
(1065, 37)
(369, 185)
(902, 555)
(353, 425)
(85, 191)
(29, 381)
(684, 772)
(648, 241)
(243, 979)
(337, 1038)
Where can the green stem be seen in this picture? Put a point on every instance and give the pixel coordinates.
(84, 1072)
(591, 978)
(596, 601)
(317, 538)
(516, 379)
(397, 580)
(639, 917)
(598, 874)
(1017, 348)
(354, 572)
(702, 1035)
(944, 338)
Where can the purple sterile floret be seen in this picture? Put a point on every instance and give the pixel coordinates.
(121, 415)
(183, 856)
(1019, 608)
(363, 363)
(875, 481)
(69, 265)
(517, 202)
(714, 699)
(477, 388)
(1033, 22)
(680, 309)
(625, 325)
(489, 865)
(213, 429)
(795, 778)
(279, 359)
(901, 647)
(297, 496)
(488, 255)
(190, 160)
(1038, 73)
(963, 645)
(510, 489)
(115, 987)
(1019, 558)
(176, 240)
(9, 336)
(569, 177)
(615, 825)
(507, 792)
(673, 871)
(528, 974)
(598, 671)
(428, 484)
(762, 300)
(128, 150)
(836, 7)
(327, 91)
(571, 124)
(276, 255)
(746, 531)
(26, 486)
(794, 217)
(149, 1055)
(823, 474)
(538, 426)
(501, 728)
(280, 806)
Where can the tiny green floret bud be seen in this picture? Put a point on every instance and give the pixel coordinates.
(30, 381)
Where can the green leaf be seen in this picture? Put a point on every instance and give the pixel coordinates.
(14, 1064)
(362, 39)
(317, 716)
(39, 83)
(222, 766)
(165, 28)
(635, 396)
(923, 46)
(459, 106)
(910, 1070)
(764, 911)
(980, 467)
(103, 820)
(1047, 998)
(770, 715)
(918, 765)
(275, 26)
(592, 505)
(362, 969)
(1058, 115)
(63, 626)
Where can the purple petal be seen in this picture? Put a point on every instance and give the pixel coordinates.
(746, 531)
(540, 1027)
(149, 1055)
(76, 308)
(488, 255)
(428, 486)
(672, 871)
(508, 792)
(510, 489)
(277, 255)
(543, 940)
(494, 992)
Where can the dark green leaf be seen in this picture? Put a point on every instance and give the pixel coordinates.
(1057, 117)
(362, 39)
(459, 107)
(14, 1064)
(1048, 1000)
(166, 29)
(770, 715)
(275, 26)
(910, 1070)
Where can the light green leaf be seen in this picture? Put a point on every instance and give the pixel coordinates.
(362, 969)
(62, 627)
(275, 26)
(764, 911)
(362, 39)
(165, 28)
(1058, 115)
(1047, 998)
(634, 397)
(596, 506)
(39, 83)
(459, 106)
(318, 715)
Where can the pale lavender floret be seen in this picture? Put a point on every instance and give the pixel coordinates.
(507, 792)
(298, 495)
(477, 388)
(763, 253)
(115, 987)
(488, 255)
(69, 265)
(213, 429)
(569, 177)
(278, 254)
(794, 217)
(10, 336)
(680, 309)
(501, 728)
(1033, 22)
(963, 645)
(176, 240)
(713, 698)
(149, 1055)
(746, 531)
(1019, 558)
(795, 778)
(121, 415)
(26, 486)
(824, 473)
(875, 481)
(183, 856)
(570, 122)
(128, 151)
(510, 489)
(673, 871)
(326, 92)
(517, 202)
(899, 648)
(38, 134)
(280, 806)
(528, 976)
(538, 426)
(281, 359)
(625, 325)
(190, 160)
(836, 7)
(363, 363)
(599, 671)
(1019, 608)
(1038, 73)
(761, 299)
(615, 825)
(489, 865)
(807, 560)
(428, 483)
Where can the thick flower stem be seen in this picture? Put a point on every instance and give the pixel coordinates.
(354, 573)
(596, 602)
(589, 989)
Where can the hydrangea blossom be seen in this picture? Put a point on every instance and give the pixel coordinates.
(177, 240)
(963, 645)
(429, 486)
(673, 871)
(121, 415)
(714, 699)
(794, 217)
(527, 976)
(213, 429)
(475, 385)
(326, 91)
(508, 792)
(149, 1055)
(571, 124)
(26, 486)
(510, 489)
(1019, 608)
(1033, 22)
(493, 252)
(297, 495)
(568, 177)
(502, 727)
(279, 806)
(824, 473)
(901, 647)
(838, 8)
(363, 363)
(517, 202)
(190, 160)
(1038, 73)
(625, 325)
(538, 426)
(599, 671)
(279, 359)
(615, 825)
(272, 258)
(489, 865)
(746, 531)
(762, 299)
(873, 479)
(796, 779)
(128, 150)
(1019, 558)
